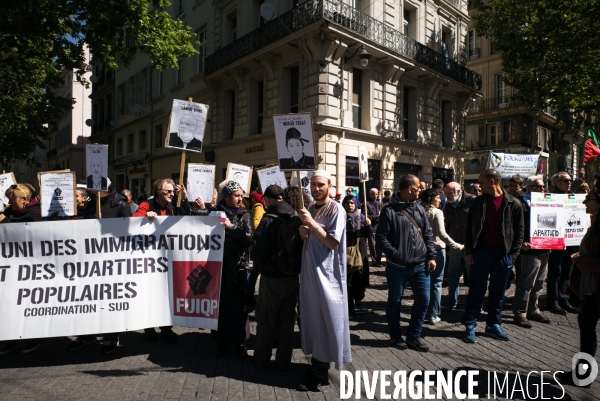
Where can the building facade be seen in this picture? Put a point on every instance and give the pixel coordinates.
(407, 103)
(499, 123)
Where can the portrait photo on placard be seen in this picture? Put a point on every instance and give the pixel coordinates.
(96, 163)
(200, 182)
(271, 175)
(186, 125)
(241, 174)
(295, 142)
(363, 166)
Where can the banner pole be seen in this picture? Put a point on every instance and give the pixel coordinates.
(98, 208)
(300, 190)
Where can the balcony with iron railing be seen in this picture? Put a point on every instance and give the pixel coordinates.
(350, 19)
(479, 106)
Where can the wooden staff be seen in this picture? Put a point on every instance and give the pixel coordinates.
(365, 196)
(300, 189)
(98, 209)
(182, 167)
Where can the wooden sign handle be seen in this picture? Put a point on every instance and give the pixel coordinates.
(365, 196)
(98, 206)
(300, 190)
(181, 168)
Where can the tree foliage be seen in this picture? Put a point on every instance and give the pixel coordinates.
(38, 38)
(550, 52)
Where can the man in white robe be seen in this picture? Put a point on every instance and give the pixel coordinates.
(323, 299)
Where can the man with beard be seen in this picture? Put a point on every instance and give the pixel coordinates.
(323, 293)
(96, 180)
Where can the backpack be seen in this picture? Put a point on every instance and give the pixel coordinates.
(288, 255)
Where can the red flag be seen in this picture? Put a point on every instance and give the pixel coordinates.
(592, 150)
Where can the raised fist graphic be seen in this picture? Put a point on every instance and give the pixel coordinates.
(199, 279)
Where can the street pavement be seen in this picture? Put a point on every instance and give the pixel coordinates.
(143, 370)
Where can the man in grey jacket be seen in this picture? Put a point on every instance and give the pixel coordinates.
(405, 237)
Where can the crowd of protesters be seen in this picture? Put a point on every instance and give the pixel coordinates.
(314, 260)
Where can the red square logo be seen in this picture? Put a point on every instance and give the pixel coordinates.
(196, 288)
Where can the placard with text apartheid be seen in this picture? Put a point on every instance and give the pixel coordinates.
(74, 277)
(547, 221)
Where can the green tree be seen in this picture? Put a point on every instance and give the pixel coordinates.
(38, 38)
(550, 52)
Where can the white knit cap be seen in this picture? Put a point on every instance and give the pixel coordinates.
(322, 173)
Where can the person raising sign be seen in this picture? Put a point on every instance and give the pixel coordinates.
(295, 146)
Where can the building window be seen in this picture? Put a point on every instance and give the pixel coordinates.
(158, 136)
(352, 177)
(447, 132)
(358, 4)
(130, 143)
(357, 98)
(409, 113)
(180, 7)
(142, 140)
(146, 73)
(135, 89)
(231, 26)
(472, 45)
(109, 107)
(160, 79)
(501, 91)
(120, 100)
(493, 134)
(201, 52)
(229, 114)
(179, 72)
(294, 89)
(261, 107)
(257, 16)
(507, 131)
(119, 146)
(409, 21)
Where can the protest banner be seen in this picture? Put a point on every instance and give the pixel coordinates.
(6, 180)
(271, 175)
(508, 164)
(241, 174)
(57, 190)
(200, 181)
(78, 277)
(96, 158)
(547, 221)
(186, 125)
(577, 221)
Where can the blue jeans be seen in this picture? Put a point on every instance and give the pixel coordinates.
(418, 277)
(497, 265)
(436, 277)
(456, 264)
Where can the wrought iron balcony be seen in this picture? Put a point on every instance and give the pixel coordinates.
(354, 21)
(480, 106)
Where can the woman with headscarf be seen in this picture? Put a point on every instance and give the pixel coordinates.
(231, 332)
(358, 228)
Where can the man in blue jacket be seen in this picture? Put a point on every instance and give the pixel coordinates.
(405, 237)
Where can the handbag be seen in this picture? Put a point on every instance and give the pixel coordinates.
(353, 259)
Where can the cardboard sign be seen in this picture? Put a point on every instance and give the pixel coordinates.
(57, 190)
(6, 180)
(547, 221)
(295, 142)
(96, 157)
(186, 126)
(271, 175)
(200, 181)
(241, 174)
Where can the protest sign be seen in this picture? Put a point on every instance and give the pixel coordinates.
(96, 157)
(241, 174)
(6, 180)
(57, 190)
(363, 168)
(305, 177)
(295, 143)
(547, 221)
(577, 221)
(186, 125)
(76, 277)
(508, 164)
(200, 181)
(271, 175)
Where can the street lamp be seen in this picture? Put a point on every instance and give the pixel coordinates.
(364, 56)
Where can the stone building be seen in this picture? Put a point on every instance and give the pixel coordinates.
(499, 123)
(383, 74)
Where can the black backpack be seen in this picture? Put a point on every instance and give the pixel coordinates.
(288, 254)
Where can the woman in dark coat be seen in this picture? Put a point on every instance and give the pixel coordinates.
(358, 229)
(231, 332)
